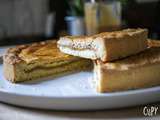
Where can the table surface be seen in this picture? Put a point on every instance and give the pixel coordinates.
(8, 112)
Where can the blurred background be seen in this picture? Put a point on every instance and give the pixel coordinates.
(25, 21)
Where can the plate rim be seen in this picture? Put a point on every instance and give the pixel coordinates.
(99, 95)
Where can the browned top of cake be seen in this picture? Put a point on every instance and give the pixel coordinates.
(153, 43)
(149, 56)
(114, 34)
(88, 42)
(37, 51)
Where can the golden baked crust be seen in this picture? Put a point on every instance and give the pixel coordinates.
(35, 52)
(107, 46)
(109, 80)
(137, 71)
(148, 56)
(153, 43)
(38, 60)
(109, 35)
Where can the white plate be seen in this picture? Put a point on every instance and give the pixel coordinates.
(71, 92)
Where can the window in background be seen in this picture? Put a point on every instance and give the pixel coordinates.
(22, 20)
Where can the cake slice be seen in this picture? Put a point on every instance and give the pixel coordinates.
(107, 46)
(26, 62)
(137, 71)
(153, 43)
